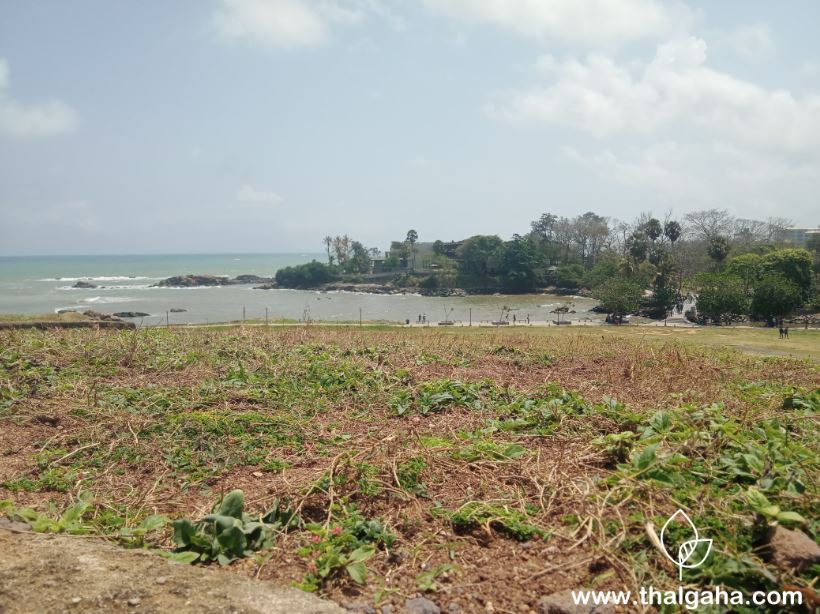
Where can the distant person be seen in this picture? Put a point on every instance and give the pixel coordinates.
(780, 330)
(419, 318)
(513, 319)
(786, 332)
(528, 318)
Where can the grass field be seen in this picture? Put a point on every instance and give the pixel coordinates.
(479, 467)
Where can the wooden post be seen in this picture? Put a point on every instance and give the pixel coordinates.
(360, 316)
(167, 320)
(266, 316)
(471, 316)
(243, 313)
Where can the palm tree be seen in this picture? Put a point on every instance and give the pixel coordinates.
(328, 241)
(412, 237)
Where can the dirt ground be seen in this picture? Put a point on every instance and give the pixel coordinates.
(56, 573)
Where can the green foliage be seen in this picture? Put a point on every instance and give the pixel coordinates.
(409, 475)
(437, 395)
(795, 265)
(569, 276)
(84, 518)
(502, 518)
(721, 297)
(761, 504)
(228, 533)
(605, 268)
(307, 275)
(427, 580)
(775, 296)
(476, 254)
(345, 545)
(718, 248)
(619, 296)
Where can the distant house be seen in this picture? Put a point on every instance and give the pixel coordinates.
(799, 237)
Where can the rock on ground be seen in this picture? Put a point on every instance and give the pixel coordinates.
(792, 550)
(58, 573)
(562, 603)
(420, 605)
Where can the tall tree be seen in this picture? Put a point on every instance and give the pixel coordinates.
(328, 241)
(412, 237)
(672, 230)
(718, 249)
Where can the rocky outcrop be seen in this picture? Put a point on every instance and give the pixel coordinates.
(131, 314)
(85, 285)
(199, 281)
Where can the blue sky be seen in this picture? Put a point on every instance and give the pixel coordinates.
(263, 125)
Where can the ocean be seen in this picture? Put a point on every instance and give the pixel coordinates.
(42, 284)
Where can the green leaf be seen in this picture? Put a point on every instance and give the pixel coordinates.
(646, 457)
(790, 518)
(357, 571)
(183, 532)
(362, 553)
(232, 505)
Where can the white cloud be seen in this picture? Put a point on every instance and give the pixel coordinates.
(290, 24)
(673, 91)
(250, 196)
(588, 22)
(752, 41)
(27, 120)
(687, 176)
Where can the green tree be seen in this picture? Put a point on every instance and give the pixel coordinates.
(619, 296)
(775, 297)
(412, 237)
(517, 265)
(672, 230)
(569, 276)
(721, 297)
(653, 229)
(747, 267)
(476, 254)
(793, 264)
(307, 275)
(605, 268)
(718, 249)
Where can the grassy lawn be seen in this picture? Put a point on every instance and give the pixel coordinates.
(470, 465)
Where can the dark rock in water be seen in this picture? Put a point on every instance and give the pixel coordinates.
(250, 279)
(96, 315)
(270, 286)
(178, 310)
(66, 311)
(84, 284)
(131, 314)
(193, 281)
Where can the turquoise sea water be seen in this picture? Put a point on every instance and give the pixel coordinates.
(31, 285)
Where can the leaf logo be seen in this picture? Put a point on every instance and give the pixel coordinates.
(687, 549)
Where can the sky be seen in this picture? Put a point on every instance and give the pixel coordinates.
(215, 126)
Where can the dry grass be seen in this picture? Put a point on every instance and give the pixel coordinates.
(163, 421)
